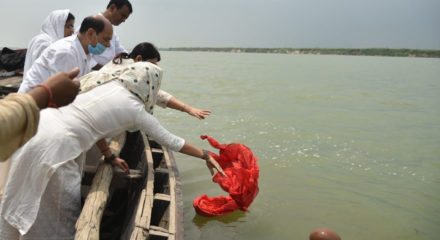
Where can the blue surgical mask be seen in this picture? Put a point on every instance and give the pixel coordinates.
(98, 49)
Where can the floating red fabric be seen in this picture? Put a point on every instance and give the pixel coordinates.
(240, 165)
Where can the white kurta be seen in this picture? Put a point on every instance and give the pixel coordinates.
(61, 56)
(52, 30)
(63, 134)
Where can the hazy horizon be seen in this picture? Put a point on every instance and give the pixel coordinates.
(248, 24)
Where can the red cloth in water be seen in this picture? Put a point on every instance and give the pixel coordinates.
(240, 165)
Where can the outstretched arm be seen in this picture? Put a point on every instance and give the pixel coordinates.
(19, 113)
(174, 103)
(165, 100)
(149, 124)
(61, 89)
(211, 163)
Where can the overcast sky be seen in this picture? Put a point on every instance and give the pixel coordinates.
(246, 23)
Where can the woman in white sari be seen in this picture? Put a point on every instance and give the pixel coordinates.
(42, 195)
(58, 24)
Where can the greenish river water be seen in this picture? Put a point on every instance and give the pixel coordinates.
(346, 142)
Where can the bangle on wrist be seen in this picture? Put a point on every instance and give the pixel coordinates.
(50, 103)
(109, 159)
(205, 155)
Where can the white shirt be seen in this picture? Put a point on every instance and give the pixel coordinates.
(52, 30)
(109, 53)
(63, 134)
(61, 56)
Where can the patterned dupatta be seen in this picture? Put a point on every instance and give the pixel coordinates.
(143, 79)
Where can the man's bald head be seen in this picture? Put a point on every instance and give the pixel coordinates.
(97, 22)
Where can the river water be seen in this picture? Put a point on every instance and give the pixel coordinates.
(346, 142)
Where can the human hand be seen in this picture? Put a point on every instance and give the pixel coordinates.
(198, 113)
(122, 164)
(211, 163)
(64, 86)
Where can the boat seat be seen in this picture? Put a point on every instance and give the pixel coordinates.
(162, 197)
(134, 173)
(162, 170)
(156, 150)
(159, 231)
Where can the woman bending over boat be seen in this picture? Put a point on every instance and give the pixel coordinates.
(42, 194)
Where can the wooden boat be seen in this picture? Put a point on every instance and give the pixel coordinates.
(145, 204)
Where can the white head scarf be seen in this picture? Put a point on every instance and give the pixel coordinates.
(143, 79)
(53, 25)
(52, 30)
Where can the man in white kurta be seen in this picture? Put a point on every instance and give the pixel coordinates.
(117, 12)
(61, 56)
(68, 53)
(52, 29)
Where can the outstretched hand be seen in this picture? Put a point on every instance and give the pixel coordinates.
(121, 164)
(198, 113)
(64, 86)
(211, 163)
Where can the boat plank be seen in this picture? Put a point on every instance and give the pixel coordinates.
(172, 183)
(89, 221)
(143, 214)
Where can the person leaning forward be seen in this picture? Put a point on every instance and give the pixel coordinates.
(93, 38)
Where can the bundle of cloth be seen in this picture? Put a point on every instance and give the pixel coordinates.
(12, 60)
(240, 165)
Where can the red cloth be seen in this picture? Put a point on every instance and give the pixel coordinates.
(240, 165)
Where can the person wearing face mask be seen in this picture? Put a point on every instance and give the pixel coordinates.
(57, 25)
(117, 12)
(75, 51)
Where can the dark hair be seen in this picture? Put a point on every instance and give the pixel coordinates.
(92, 22)
(120, 3)
(146, 50)
(70, 17)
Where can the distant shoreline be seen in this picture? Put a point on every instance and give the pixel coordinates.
(403, 52)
